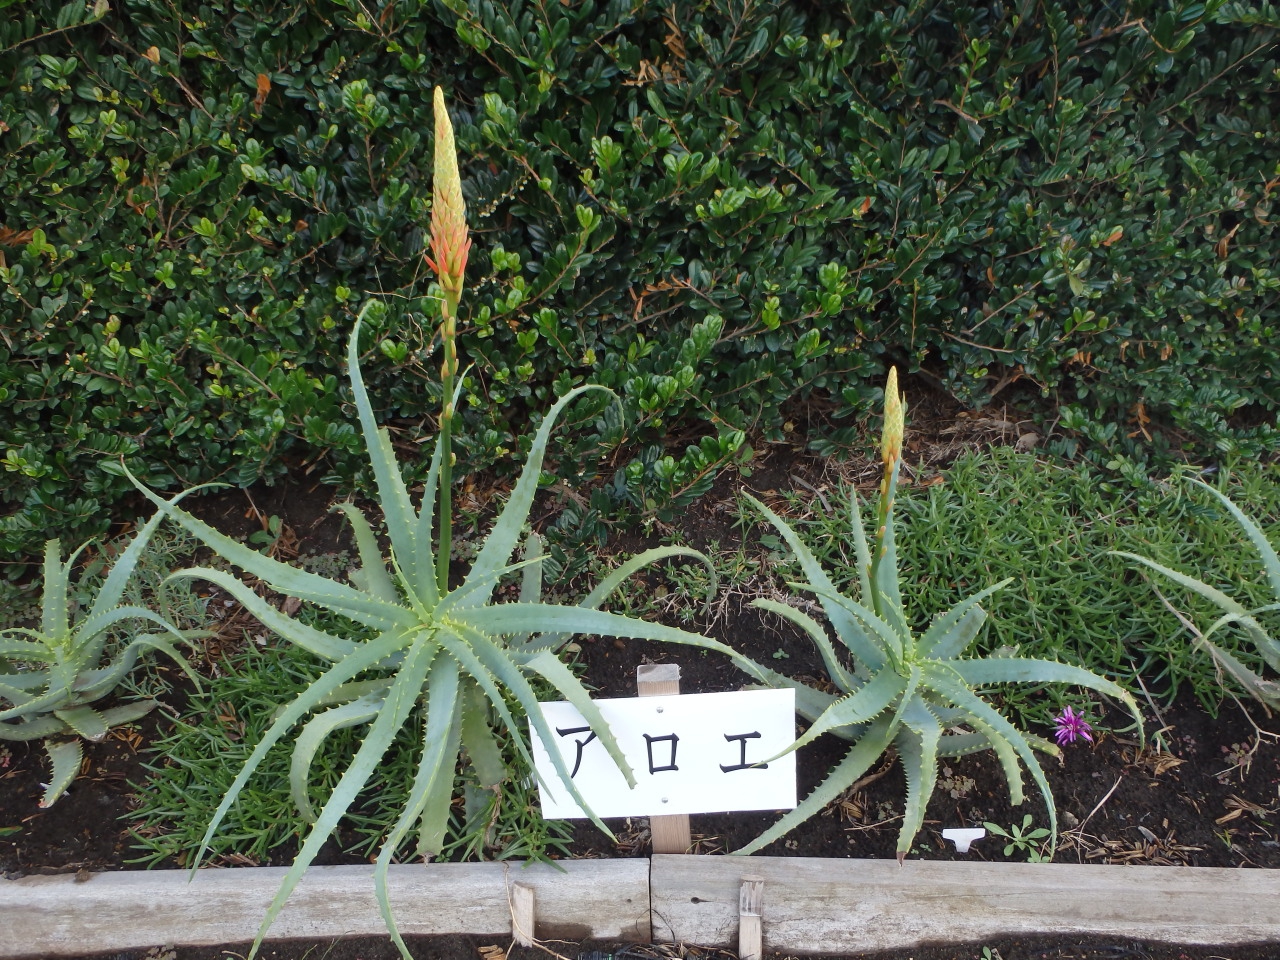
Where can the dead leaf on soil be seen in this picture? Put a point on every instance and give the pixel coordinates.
(1152, 761)
(1237, 807)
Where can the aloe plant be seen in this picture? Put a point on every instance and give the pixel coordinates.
(915, 693)
(448, 648)
(53, 676)
(1266, 692)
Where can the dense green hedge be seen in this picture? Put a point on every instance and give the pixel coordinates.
(718, 207)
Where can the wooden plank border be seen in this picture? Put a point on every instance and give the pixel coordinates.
(50, 916)
(852, 906)
(809, 906)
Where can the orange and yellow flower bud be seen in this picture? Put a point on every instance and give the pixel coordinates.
(895, 416)
(450, 242)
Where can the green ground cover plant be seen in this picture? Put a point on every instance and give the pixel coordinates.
(1250, 622)
(722, 209)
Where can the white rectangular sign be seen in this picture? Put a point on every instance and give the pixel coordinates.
(691, 753)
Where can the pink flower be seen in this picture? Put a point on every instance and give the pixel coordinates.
(1070, 726)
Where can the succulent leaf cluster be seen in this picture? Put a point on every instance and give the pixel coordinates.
(52, 677)
(918, 694)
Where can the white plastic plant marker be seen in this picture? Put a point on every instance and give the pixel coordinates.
(963, 836)
(698, 753)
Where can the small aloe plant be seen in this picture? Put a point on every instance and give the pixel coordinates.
(448, 648)
(916, 693)
(1266, 692)
(53, 677)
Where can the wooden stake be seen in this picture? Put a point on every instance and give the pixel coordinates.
(750, 904)
(670, 833)
(522, 920)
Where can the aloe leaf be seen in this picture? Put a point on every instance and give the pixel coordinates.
(506, 618)
(376, 688)
(313, 734)
(55, 619)
(477, 737)
(847, 628)
(892, 651)
(58, 692)
(547, 666)
(978, 673)
(365, 656)
(1267, 647)
(476, 589)
(1265, 691)
(433, 821)
(1214, 596)
(377, 580)
(94, 684)
(839, 675)
(810, 703)
(884, 576)
(92, 628)
(1008, 758)
(393, 495)
(605, 588)
(84, 721)
(65, 758)
(24, 650)
(28, 730)
(863, 706)
(429, 591)
(401, 698)
(963, 744)
(918, 749)
(496, 661)
(128, 713)
(1267, 553)
(334, 596)
(459, 645)
(505, 535)
(862, 550)
(122, 570)
(435, 767)
(950, 634)
(322, 644)
(954, 689)
(88, 638)
(855, 763)
(14, 686)
(531, 582)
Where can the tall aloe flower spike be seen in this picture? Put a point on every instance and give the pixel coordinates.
(51, 678)
(916, 693)
(1266, 692)
(445, 660)
(450, 244)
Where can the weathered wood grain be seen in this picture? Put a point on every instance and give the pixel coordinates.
(844, 906)
(669, 833)
(51, 916)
